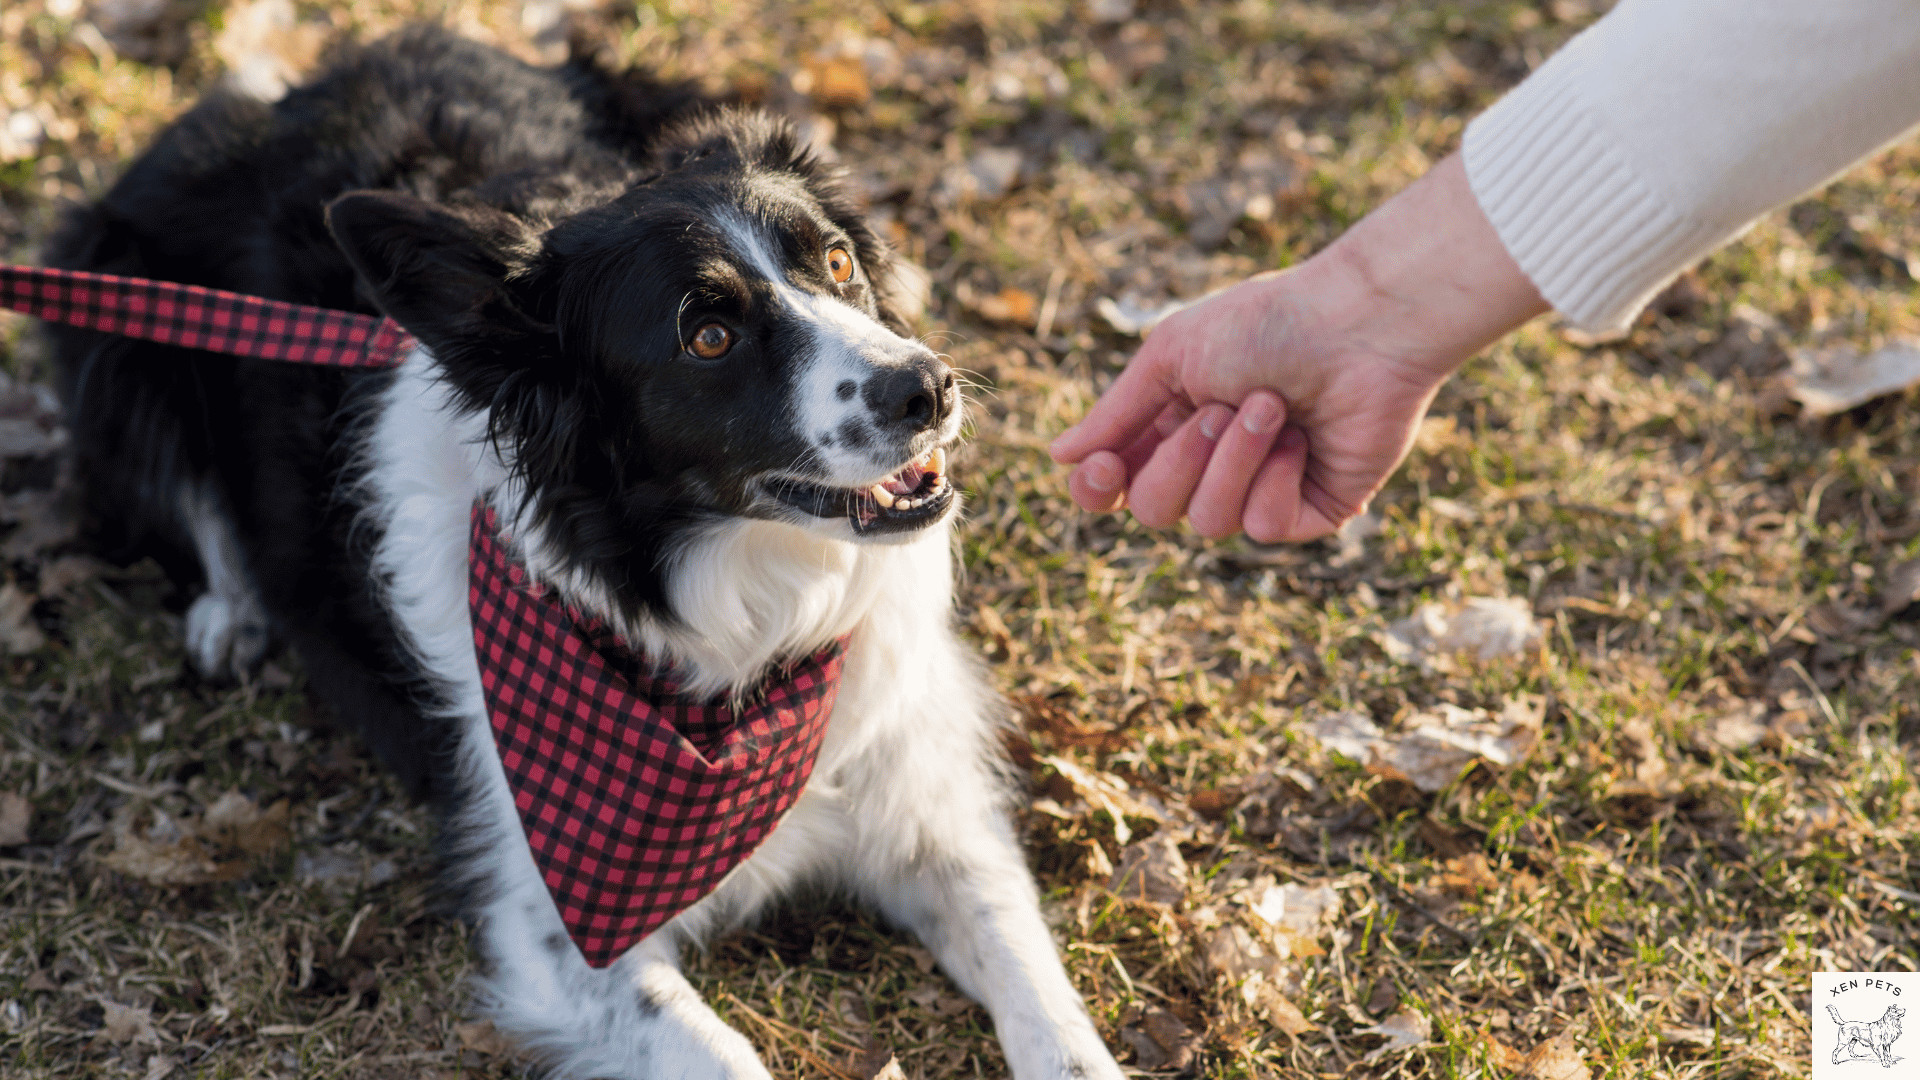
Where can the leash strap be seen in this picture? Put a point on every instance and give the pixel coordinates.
(195, 317)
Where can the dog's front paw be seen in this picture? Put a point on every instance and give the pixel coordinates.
(226, 638)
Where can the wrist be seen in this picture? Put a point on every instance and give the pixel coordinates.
(1425, 280)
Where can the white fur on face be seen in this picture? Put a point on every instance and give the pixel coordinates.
(848, 348)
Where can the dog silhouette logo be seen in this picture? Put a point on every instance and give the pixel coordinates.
(1859, 1022)
(1867, 1040)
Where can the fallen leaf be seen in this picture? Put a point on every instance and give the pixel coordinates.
(19, 634)
(150, 31)
(234, 821)
(990, 173)
(27, 438)
(1833, 380)
(65, 572)
(482, 1037)
(1902, 588)
(16, 814)
(266, 46)
(1440, 743)
(1152, 870)
(1348, 733)
(1103, 791)
(1403, 1031)
(1384, 995)
(1281, 1012)
(21, 133)
(43, 982)
(1737, 729)
(1484, 628)
(126, 1024)
(1303, 910)
(1214, 804)
(1130, 314)
(1691, 1035)
(1556, 1059)
(888, 1070)
(336, 872)
(185, 861)
(1160, 1040)
(835, 80)
(160, 1066)
(46, 520)
(1234, 952)
(1015, 306)
(1836, 620)
(1466, 876)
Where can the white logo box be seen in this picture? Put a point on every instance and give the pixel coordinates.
(1864, 1025)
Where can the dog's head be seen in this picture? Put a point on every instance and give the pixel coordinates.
(713, 337)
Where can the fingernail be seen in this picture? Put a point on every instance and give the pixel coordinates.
(1213, 422)
(1261, 414)
(1101, 477)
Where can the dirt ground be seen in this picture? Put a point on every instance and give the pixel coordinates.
(1692, 731)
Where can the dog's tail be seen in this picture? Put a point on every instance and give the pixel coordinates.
(1834, 1012)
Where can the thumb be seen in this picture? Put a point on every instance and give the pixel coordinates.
(1134, 401)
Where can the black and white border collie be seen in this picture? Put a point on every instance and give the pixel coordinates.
(659, 339)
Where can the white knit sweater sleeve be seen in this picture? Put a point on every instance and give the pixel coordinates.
(1666, 128)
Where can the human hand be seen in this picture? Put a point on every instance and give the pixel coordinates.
(1281, 405)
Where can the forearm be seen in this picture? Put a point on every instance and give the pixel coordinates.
(1663, 131)
(1424, 278)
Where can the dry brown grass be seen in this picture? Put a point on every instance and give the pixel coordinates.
(1721, 800)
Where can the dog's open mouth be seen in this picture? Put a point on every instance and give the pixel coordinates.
(913, 497)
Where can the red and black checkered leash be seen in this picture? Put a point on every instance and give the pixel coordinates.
(636, 800)
(200, 318)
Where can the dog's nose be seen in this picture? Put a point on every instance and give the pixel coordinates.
(916, 396)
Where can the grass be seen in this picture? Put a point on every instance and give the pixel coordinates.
(1644, 883)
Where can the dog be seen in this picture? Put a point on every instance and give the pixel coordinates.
(660, 348)
(1859, 1039)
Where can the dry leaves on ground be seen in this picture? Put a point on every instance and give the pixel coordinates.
(16, 816)
(1403, 1031)
(1152, 870)
(126, 1024)
(1438, 744)
(1160, 1040)
(217, 847)
(1558, 1058)
(1437, 636)
(1833, 380)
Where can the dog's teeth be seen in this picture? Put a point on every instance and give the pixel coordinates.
(937, 461)
(882, 496)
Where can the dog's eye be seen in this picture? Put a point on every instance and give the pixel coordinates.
(711, 341)
(840, 265)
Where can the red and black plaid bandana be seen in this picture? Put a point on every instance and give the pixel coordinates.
(199, 318)
(636, 801)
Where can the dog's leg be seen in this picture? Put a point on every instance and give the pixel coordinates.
(227, 625)
(936, 853)
(976, 910)
(638, 1018)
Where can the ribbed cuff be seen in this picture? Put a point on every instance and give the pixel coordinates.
(1592, 236)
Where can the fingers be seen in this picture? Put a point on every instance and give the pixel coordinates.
(1240, 451)
(1134, 400)
(1276, 509)
(1099, 483)
(1163, 487)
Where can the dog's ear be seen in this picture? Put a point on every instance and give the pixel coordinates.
(445, 273)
